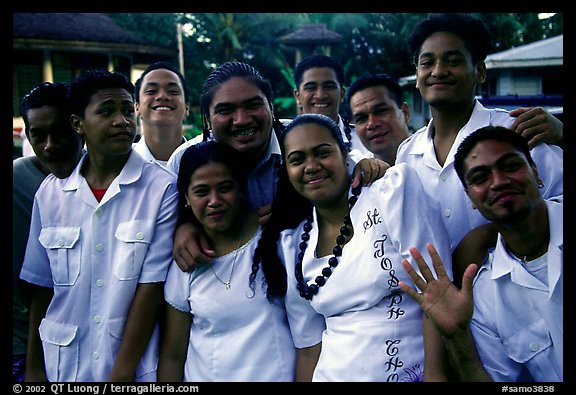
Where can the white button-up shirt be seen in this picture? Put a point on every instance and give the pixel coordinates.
(94, 255)
(445, 189)
(518, 319)
(144, 151)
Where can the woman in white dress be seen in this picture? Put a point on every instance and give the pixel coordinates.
(343, 252)
(221, 324)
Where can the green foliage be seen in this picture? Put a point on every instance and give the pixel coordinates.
(158, 28)
(371, 42)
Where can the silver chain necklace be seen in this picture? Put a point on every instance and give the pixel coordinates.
(228, 283)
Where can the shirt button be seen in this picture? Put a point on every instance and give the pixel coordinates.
(443, 177)
(99, 247)
(60, 243)
(447, 212)
(140, 235)
(99, 282)
(534, 347)
(95, 355)
(97, 319)
(98, 212)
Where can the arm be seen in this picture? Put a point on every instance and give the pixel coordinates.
(174, 344)
(450, 311)
(142, 318)
(538, 125)
(306, 360)
(436, 364)
(41, 298)
(191, 247)
(264, 214)
(473, 248)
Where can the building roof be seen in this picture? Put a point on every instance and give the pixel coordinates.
(316, 34)
(546, 52)
(90, 27)
(79, 31)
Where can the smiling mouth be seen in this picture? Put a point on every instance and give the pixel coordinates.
(244, 132)
(504, 197)
(378, 135)
(216, 215)
(315, 180)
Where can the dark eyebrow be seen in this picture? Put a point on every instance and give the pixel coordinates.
(503, 158)
(315, 148)
(154, 83)
(447, 53)
(257, 98)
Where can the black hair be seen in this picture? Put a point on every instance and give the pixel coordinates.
(472, 31)
(289, 209)
(222, 74)
(318, 61)
(162, 65)
(45, 94)
(90, 82)
(369, 80)
(498, 133)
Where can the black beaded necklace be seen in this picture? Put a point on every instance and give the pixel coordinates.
(308, 291)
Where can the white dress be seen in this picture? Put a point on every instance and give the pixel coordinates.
(235, 335)
(373, 331)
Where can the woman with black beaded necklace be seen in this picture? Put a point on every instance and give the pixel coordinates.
(343, 252)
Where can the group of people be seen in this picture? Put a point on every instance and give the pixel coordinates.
(290, 250)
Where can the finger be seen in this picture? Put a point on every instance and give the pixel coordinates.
(410, 291)
(439, 267)
(382, 167)
(183, 260)
(418, 281)
(523, 116)
(468, 278)
(518, 111)
(367, 174)
(534, 141)
(424, 268)
(206, 251)
(356, 178)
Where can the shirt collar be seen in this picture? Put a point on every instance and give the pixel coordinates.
(503, 262)
(130, 173)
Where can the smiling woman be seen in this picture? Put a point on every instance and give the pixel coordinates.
(222, 298)
(342, 248)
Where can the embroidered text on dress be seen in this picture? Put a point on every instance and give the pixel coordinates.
(394, 298)
(373, 219)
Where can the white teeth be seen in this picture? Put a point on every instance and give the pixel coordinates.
(244, 132)
(163, 108)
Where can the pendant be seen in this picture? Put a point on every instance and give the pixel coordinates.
(227, 285)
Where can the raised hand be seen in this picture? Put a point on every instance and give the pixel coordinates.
(448, 308)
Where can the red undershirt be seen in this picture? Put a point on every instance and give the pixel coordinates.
(98, 192)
